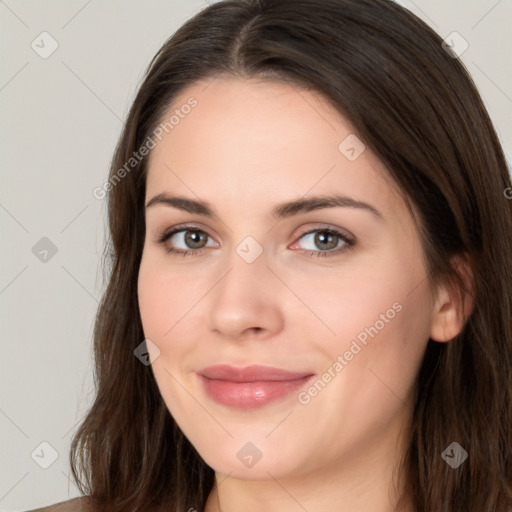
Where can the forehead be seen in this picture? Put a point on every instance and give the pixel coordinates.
(252, 141)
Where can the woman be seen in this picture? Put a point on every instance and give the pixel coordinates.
(310, 297)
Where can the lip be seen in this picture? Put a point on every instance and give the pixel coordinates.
(250, 387)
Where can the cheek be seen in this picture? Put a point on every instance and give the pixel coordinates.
(378, 317)
(164, 298)
(374, 357)
(382, 336)
(153, 303)
(163, 301)
(349, 303)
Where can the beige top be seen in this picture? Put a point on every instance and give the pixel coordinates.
(73, 505)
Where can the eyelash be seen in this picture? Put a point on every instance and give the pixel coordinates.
(349, 242)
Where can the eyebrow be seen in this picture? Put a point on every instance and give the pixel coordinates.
(280, 211)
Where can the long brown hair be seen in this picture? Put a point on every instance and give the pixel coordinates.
(416, 107)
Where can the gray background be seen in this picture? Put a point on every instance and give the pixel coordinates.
(60, 120)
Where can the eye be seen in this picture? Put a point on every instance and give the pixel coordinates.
(194, 241)
(190, 238)
(328, 241)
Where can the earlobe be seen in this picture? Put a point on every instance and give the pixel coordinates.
(453, 304)
(445, 324)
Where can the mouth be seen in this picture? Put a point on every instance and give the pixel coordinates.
(250, 387)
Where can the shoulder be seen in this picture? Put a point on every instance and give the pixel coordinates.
(74, 505)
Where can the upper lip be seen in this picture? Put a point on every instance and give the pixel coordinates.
(253, 373)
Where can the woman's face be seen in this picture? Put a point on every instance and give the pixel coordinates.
(264, 284)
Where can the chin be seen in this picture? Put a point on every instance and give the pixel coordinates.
(251, 460)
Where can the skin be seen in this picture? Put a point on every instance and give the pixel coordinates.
(247, 146)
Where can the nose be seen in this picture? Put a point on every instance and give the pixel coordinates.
(247, 302)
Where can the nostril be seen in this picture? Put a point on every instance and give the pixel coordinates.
(254, 330)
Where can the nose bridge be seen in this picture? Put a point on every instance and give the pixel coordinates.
(247, 296)
(247, 273)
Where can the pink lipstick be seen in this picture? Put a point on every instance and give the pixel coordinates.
(251, 386)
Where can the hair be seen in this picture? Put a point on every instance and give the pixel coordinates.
(416, 107)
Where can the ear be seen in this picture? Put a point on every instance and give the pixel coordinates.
(453, 305)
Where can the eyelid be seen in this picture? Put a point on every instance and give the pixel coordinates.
(346, 237)
(327, 227)
(198, 227)
(168, 233)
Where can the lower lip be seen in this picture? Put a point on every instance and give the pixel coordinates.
(250, 395)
